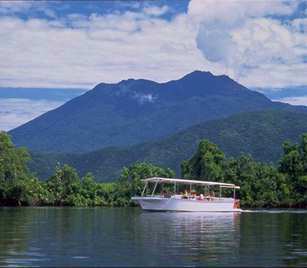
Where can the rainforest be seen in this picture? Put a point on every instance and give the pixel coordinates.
(262, 184)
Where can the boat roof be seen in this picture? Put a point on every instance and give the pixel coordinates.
(188, 181)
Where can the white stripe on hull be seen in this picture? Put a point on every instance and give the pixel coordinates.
(175, 204)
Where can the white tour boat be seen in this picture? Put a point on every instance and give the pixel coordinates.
(189, 200)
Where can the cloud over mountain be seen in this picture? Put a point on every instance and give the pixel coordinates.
(252, 41)
(258, 43)
(14, 112)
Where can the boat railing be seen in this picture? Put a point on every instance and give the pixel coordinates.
(189, 197)
(191, 194)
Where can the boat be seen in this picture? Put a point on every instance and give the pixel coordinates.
(199, 197)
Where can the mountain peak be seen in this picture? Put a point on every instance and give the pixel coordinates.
(127, 81)
(135, 111)
(197, 74)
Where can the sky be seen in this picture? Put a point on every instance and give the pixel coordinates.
(64, 45)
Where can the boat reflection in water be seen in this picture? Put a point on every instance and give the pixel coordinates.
(114, 237)
(199, 237)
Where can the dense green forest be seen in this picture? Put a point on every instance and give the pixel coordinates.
(262, 185)
(260, 134)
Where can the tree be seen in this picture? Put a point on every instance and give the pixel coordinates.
(64, 184)
(92, 193)
(13, 161)
(303, 151)
(293, 164)
(262, 185)
(207, 163)
(130, 181)
(15, 178)
(242, 171)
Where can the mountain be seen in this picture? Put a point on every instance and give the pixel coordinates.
(260, 134)
(137, 111)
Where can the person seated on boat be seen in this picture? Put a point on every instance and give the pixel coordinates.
(167, 193)
(211, 196)
(200, 197)
(185, 195)
(208, 196)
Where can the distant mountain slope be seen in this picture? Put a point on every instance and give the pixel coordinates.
(136, 111)
(260, 134)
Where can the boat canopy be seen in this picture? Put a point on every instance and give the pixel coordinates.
(187, 181)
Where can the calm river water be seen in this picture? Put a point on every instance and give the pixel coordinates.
(131, 237)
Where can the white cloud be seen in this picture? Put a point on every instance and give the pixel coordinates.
(155, 10)
(234, 12)
(294, 100)
(144, 98)
(14, 112)
(246, 38)
(101, 48)
(300, 24)
(240, 38)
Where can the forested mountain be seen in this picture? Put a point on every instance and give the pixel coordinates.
(136, 111)
(260, 134)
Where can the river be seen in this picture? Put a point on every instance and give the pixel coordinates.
(130, 237)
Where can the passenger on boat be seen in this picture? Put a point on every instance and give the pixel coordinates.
(200, 197)
(185, 195)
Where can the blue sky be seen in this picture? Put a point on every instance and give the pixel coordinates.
(77, 44)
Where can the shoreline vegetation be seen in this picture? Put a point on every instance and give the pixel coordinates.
(262, 185)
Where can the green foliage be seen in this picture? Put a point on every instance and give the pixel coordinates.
(65, 187)
(12, 160)
(206, 163)
(17, 186)
(262, 185)
(259, 134)
(294, 164)
(130, 183)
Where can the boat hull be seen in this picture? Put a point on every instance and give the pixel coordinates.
(174, 204)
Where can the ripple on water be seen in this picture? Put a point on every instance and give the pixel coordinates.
(131, 237)
(275, 211)
(80, 257)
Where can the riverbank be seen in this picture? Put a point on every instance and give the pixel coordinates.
(261, 185)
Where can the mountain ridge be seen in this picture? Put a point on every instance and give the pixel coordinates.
(138, 110)
(260, 134)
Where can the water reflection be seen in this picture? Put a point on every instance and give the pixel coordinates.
(193, 237)
(89, 237)
(277, 236)
(15, 226)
